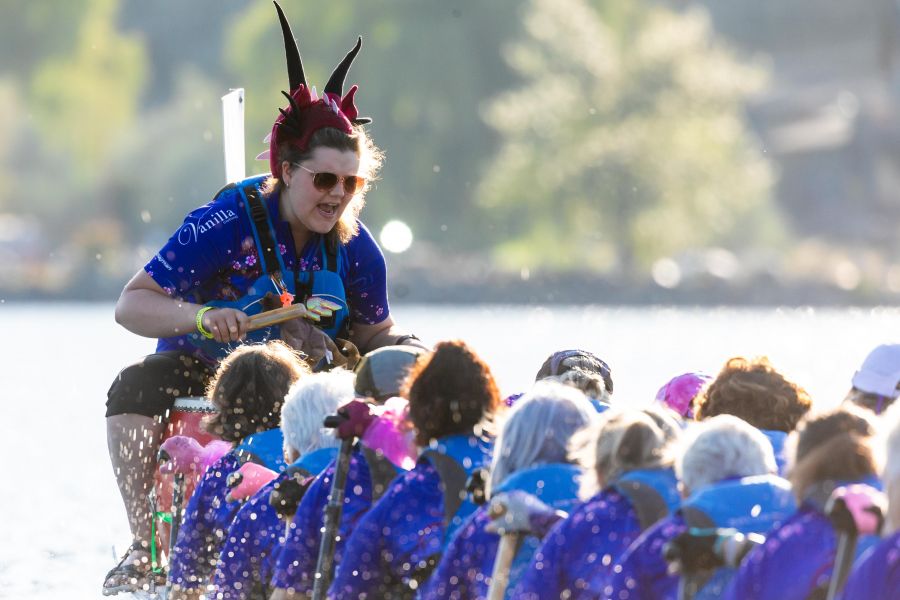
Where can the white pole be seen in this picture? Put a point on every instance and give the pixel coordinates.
(233, 135)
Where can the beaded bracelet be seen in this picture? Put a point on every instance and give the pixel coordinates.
(199, 322)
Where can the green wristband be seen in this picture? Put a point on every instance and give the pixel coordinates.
(199, 321)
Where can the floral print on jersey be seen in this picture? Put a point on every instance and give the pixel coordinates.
(212, 256)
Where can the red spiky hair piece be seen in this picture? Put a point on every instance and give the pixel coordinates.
(306, 113)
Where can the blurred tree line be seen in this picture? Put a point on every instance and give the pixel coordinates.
(556, 135)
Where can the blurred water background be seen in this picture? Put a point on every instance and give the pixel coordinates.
(60, 513)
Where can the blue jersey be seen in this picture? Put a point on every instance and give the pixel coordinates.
(467, 563)
(213, 256)
(877, 573)
(777, 439)
(247, 560)
(393, 547)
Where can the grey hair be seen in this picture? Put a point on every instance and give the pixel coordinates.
(591, 384)
(891, 473)
(306, 405)
(538, 427)
(721, 447)
(623, 441)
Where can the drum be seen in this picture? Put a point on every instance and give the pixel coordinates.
(185, 418)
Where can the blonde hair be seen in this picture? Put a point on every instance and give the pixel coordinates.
(623, 441)
(891, 473)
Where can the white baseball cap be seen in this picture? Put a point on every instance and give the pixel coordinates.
(880, 372)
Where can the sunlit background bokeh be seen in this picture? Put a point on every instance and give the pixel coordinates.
(625, 150)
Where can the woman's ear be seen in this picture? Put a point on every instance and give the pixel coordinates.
(287, 170)
(290, 454)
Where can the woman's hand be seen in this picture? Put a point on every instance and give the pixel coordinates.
(226, 324)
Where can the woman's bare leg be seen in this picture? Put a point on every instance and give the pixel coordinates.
(133, 442)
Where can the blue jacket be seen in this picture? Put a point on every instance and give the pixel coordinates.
(468, 561)
(247, 560)
(393, 547)
(750, 505)
(877, 572)
(588, 543)
(777, 439)
(795, 560)
(265, 448)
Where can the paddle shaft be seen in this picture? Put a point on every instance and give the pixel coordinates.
(506, 552)
(333, 511)
(845, 553)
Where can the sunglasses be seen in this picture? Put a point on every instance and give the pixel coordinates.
(325, 182)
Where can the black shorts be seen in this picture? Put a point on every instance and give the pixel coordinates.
(149, 387)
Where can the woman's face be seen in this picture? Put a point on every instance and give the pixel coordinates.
(305, 205)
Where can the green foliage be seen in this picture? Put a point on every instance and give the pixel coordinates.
(554, 133)
(82, 99)
(623, 145)
(31, 32)
(424, 70)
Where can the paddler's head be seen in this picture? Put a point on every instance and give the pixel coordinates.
(451, 390)
(580, 369)
(320, 156)
(249, 387)
(380, 373)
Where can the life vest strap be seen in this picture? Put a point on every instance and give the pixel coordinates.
(381, 471)
(453, 478)
(268, 248)
(648, 504)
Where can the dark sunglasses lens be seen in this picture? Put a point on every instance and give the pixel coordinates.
(325, 181)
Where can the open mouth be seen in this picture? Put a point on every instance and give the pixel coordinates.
(328, 211)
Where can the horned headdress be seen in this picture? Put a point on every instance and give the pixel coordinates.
(306, 113)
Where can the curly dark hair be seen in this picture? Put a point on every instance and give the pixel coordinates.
(833, 446)
(754, 391)
(249, 387)
(450, 391)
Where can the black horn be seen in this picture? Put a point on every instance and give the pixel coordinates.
(335, 83)
(291, 52)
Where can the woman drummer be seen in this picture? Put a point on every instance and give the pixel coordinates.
(284, 237)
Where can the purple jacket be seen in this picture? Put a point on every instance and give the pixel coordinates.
(296, 563)
(877, 572)
(247, 560)
(392, 548)
(795, 559)
(467, 563)
(590, 540)
(206, 519)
